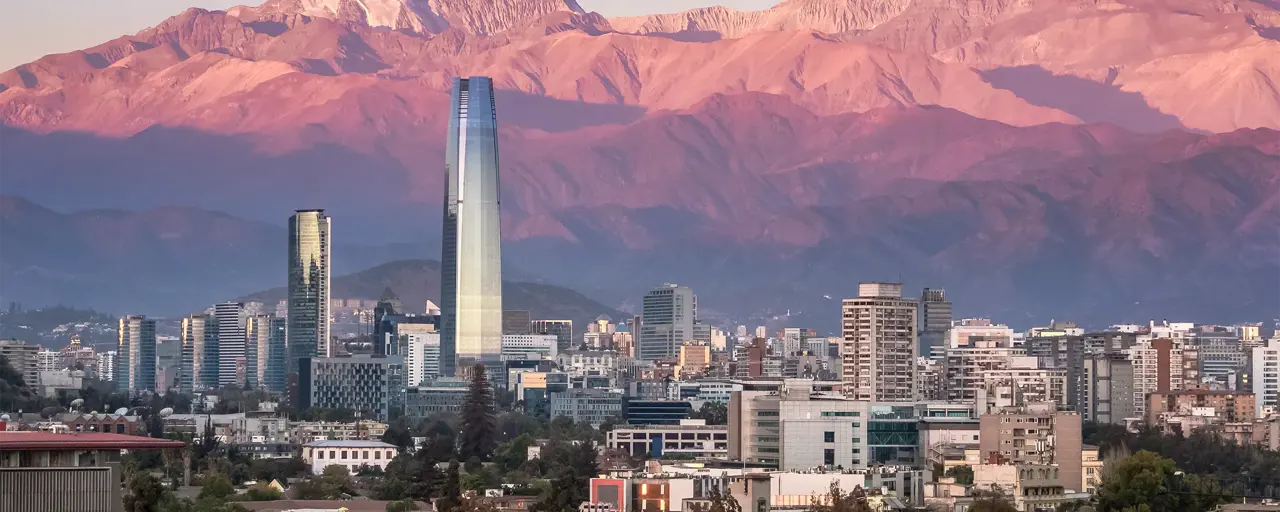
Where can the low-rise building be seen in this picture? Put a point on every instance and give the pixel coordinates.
(690, 438)
(69, 472)
(1229, 406)
(349, 454)
(442, 395)
(370, 384)
(593, 406)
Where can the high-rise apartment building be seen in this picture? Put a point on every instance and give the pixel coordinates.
(669, 313)
(561, 329)
(264, 352)
(878, 353)
(934, 320)
(1108, 389)
(307, 330)
(1035, 434)
(471, 258)
(1266, 377)
(232, 359)
(422, 354)
(135, 368)
(199, 353)
(23, 358)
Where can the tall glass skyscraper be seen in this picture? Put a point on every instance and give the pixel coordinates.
(307, 330)
(231, 343)
(471, 259)
(200, 356)
(135, 366)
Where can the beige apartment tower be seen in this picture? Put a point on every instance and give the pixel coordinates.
(878, 353)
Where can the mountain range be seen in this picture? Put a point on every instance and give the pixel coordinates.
(1037, 158)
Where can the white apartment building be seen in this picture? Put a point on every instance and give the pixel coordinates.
(579, 364)
(1148, 368)
(349, 454)
(1266, 377)
(422, 357)
(967, 333)
(47, 361)
(879, 350)
(690, 437)
(797, 427)
(1018, 386)
(965, 366)
(529, 346)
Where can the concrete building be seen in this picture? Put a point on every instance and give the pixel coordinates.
(695, 357)
(232, 360)
(1020, 386)
(1064, 352)
(779, 423)
(561, 329)
(975, 332)
(348, 454)
(1161, 366)
(967, 364)
(690, 438)
(199, 335)
(879, 350)
(67, 472)
(1266, 377)
(1034, 434)
(372, 385)
(431, 397)
(1030, 486)
(135, 368)
(23, 358)
(584, 363)
(1108, 385)
(529, 346)
(265, 346)
(1221, 356)
(669, 313)
(1230, 406)
(422, 353)
(594, 406)
(47, 361)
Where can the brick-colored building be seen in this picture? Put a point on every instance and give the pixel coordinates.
(1231, 406)
(1034, 434)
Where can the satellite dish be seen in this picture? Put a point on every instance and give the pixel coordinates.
(166, 412)
(4, 417)
(122, 411)
(77, 402)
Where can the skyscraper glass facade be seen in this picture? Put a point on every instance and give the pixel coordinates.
(231, 343)
(199, 353)
(471, 259)
(135, 368)
(307, 332)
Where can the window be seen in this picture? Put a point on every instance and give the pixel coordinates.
(828, 437)
(321, 454)
(829, 457)
(377, 455)
(331, 455)
(364, 455)
(344, 455)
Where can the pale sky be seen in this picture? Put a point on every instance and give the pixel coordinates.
(30, 29)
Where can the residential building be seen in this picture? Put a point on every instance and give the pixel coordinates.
(561, 329)
(517, 322)
(1030, 486)
(47, 361)
(934, 320)
(200, 368)
(471, 258)
(369, 384)
(135, 368)
(880, 346)
(1230, 406)
(105, 364)
(24, 359)
(1063, 352)
(1035, 434)
(690, 438)
(769, 421)
(422, 353)
(266, 349)
(347, 454)
(1108, 388)
(1160, 366)
(1221, 355)
(669, 313)
(583, 363)
(966, 365)
(1019, 386)
(307, 329)
(594, 406)
(434, 396)
(979, 331)
(695, 357)
(232, 361)
(1266, 377)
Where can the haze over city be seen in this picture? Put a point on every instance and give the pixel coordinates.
(559, 255)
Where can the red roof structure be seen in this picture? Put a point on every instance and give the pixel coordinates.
(34, 440)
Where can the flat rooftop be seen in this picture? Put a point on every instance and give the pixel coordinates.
(32, 440)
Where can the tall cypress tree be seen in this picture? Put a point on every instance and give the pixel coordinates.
(479, 424)
(451, 492)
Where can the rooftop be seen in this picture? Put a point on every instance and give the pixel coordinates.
(349, 444)
(30, 440)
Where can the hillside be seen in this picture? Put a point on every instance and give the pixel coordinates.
(416, 281)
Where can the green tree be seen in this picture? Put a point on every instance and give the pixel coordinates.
(479, 427)
(962, 474)
(1147, 481)
(216, 486)
(722, 502)
(405, 505)
(991, 501)
(143, 493)
(571, 485)
(451, 491)
(714, 413)
(262, 493)
(398, 434)
(514, 453)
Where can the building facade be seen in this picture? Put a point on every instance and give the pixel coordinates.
(1108, 385)
(135, 368)
(471, 257)
(200, 368)
(23, 358)
(371, 385)
(561, 329)
(348, 454)
(594, 406)
(669, 312)
(232, 359)
(310, 246)
(879, 350)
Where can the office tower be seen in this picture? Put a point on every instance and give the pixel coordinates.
(879, 349)
(135, 368)
(199, 353)
(264, 344)
(231, 343)
(1266, 377)
(422, 355)
(1108, 389)
(934, 318)
(517, 322)
(372, 385)
(561, 329)
(389, 305)
(471, 257)
(277, 371)
(740, 332)
(310, 241)
(669, 312)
